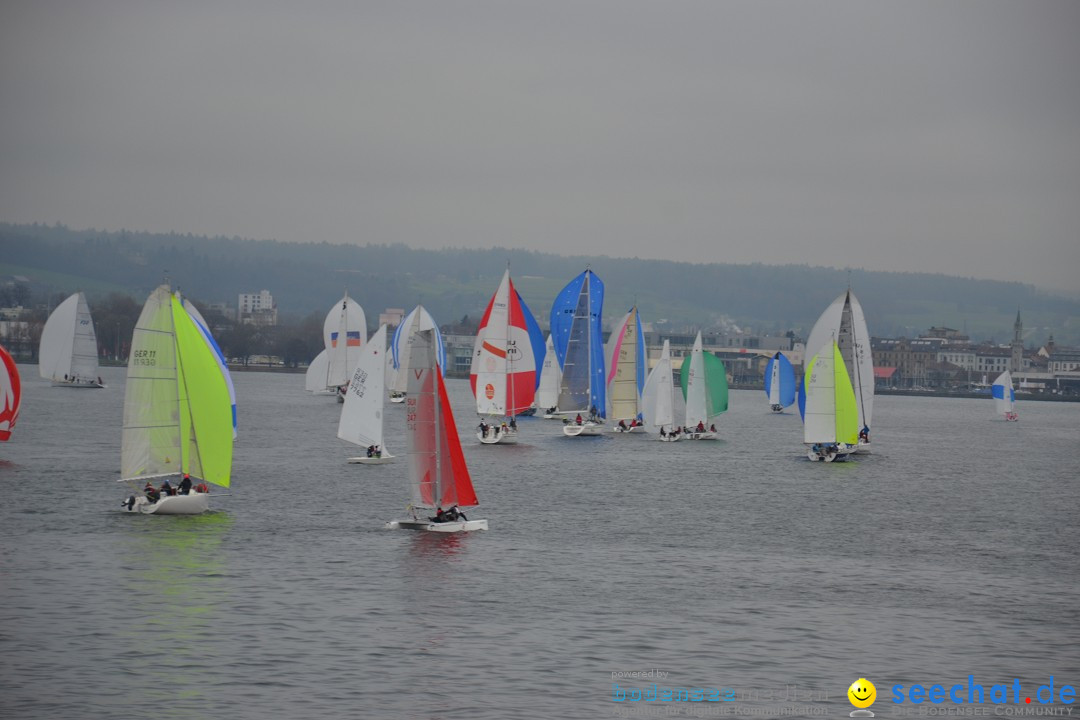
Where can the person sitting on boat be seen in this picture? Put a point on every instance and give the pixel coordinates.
(662, 433)
(864, 434)
(440, 516)
(202, 488)
(371, 451)
(152, 493)
(712, 428)
(552, 410)
(377, 450)
(483, 428)
(513, 424)
(701, 426)
(166, 488)
(185, 485)
(578, 419)
(454, 514)
(622, 425)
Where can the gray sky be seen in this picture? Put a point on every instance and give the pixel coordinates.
(893, 135)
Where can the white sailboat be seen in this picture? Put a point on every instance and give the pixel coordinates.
(1005, 396)
(68, 353)
(830, 425)
(178, 418)
(417, 320)
(657, 400)
(344, 331)
(844, 322)
(547, 394)
(705, 389)
(626, 370)
(439, 479)
(503, 371)
(317, 375)
(361, 420)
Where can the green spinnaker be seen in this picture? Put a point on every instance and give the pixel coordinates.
(204, 392)
(847, 411)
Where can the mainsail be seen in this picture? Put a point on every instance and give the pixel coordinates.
(704, 386)
(575, 327)
(68, 347)
(547, 393)
(438, 475)
(657, 403)
(626, 367)
(831, 415)
(361, 420)
(780, 381)
(843, 322)
(344, 331)
(508, 350)
(177, 408)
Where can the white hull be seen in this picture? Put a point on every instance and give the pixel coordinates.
(508, 437)
(586, 428)
(444, 527)
(841, 454)
(78, 385)
(863, 448)
(628, 429)
(394, 398)
(364, 460)
(700, 435)
(193, 504)
(670, 438)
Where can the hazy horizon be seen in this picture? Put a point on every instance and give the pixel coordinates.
(896, 136)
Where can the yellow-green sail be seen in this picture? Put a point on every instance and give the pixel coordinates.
(206, 426)
(847, 411)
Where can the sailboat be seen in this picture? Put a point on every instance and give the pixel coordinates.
(843, 322)
(417, 320)
(626, 372)
(1005, 396)
(219, 356)
(438, 476)
(361, 420)
(344, 331)
(575, 327)
(318, 372)
(509, 346)
(10, 394)
(547, 392)
(705, 389)
(68, 353)
(831, 422)
(779, 382)
(177, 409)
(658, 405)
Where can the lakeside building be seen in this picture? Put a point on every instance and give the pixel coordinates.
(256, 309)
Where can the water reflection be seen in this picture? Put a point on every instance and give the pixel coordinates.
(173, 580)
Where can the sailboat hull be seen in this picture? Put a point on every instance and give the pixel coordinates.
(445, 527)
(585, 429)
(628, 429)
(700, 435)
(503, 437)
(78, 385)
(192, 504)
(823, 455)
(383, 460)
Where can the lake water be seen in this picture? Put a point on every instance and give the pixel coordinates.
(950, 551)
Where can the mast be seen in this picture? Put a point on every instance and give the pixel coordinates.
(588, 334)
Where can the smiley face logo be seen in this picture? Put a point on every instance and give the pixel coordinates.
(862, 693)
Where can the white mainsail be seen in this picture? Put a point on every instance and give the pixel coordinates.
(657, 403)
(361, 420)
(344, 331)
(315, 379)
(547, 395)
(695, 387)
(68, 349)
(844, 321)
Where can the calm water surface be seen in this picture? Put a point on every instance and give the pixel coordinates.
(950, 551)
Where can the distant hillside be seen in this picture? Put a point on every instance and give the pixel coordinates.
(306, 278)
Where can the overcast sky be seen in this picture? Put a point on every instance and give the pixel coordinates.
(893, 135)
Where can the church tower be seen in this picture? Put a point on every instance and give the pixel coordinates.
(1017, 363)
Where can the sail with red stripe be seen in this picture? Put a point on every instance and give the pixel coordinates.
(507, 355)
(438, 475)
(10, 394)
